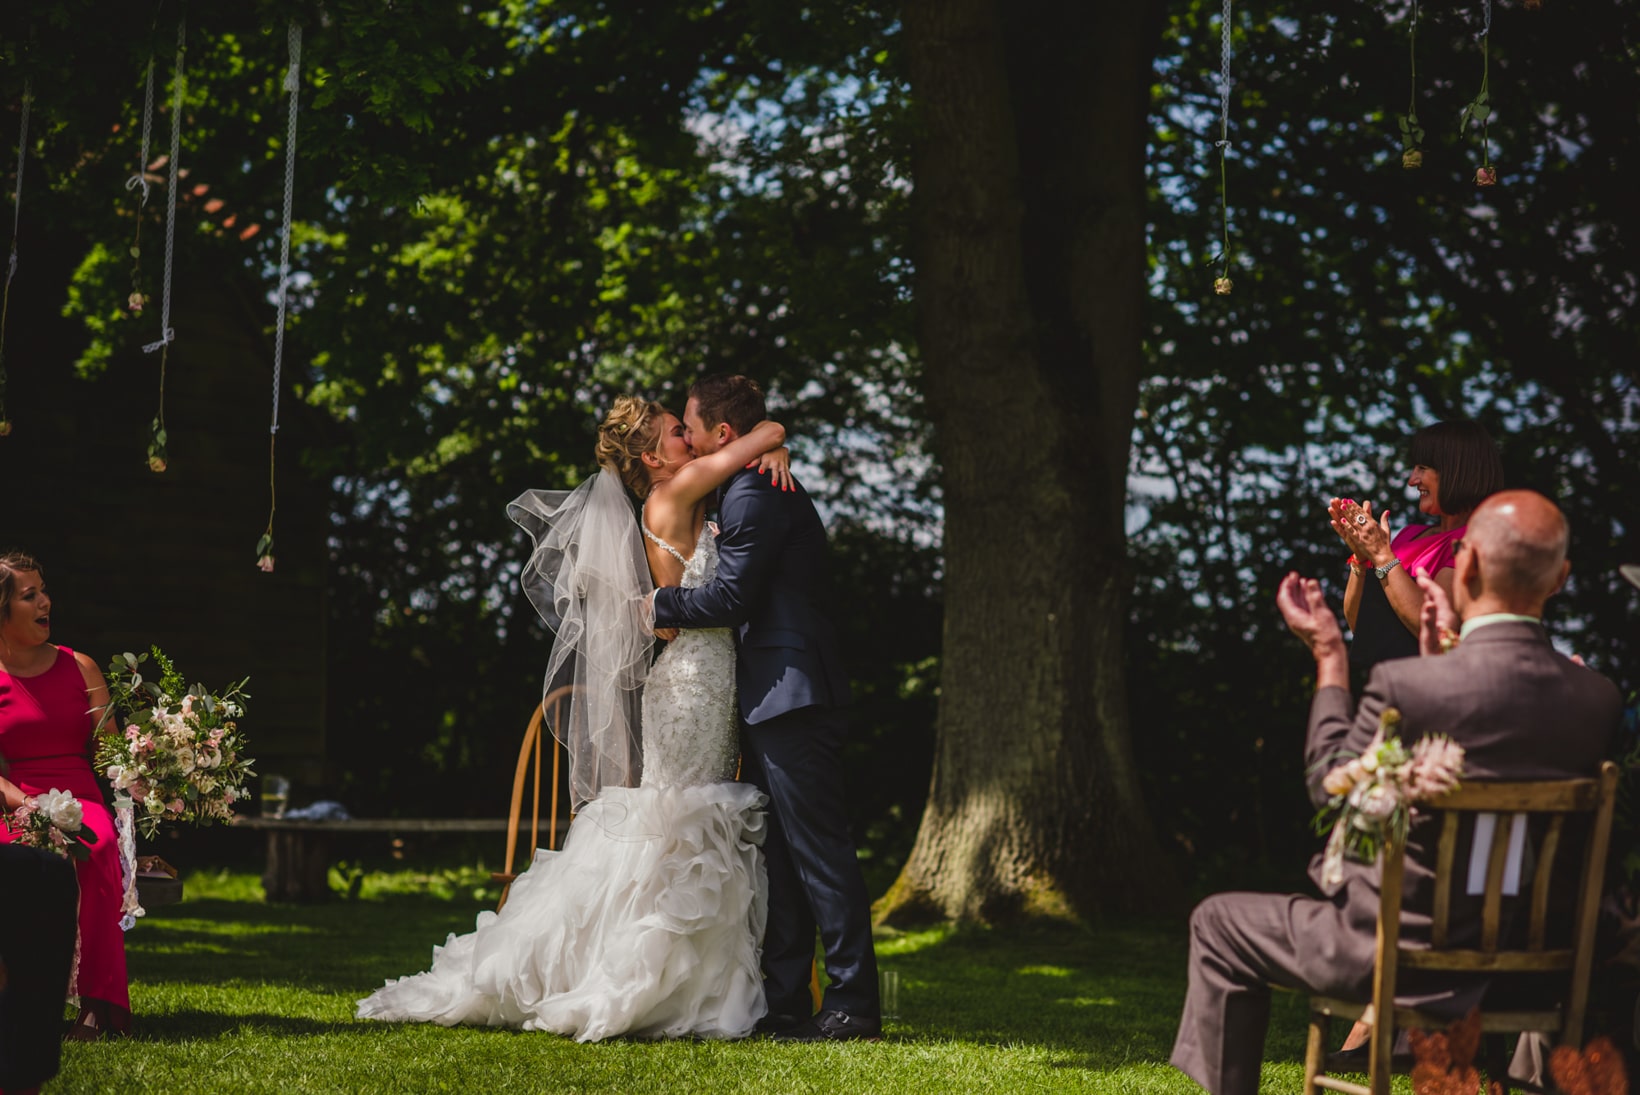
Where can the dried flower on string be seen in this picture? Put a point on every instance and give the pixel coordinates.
(1486, 176)
(157, 456)
(1411, 158)
(5, 427)
(1222, 286)
(264, 553)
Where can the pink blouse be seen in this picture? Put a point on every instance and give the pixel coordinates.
(1433, 552)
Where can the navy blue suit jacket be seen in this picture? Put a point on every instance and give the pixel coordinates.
(770, 582)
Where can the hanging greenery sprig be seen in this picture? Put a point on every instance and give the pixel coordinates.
(1222, 284)
(1412, 133)
(293, 84)
(1479, 109)
(11, 263)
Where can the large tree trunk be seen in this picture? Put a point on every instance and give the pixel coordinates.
(1030, 254)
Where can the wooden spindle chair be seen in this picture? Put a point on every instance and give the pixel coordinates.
(1546, 804)
(544, 723)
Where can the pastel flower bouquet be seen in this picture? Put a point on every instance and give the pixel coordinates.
(53, 821)
(181, 755)
(1374, 795)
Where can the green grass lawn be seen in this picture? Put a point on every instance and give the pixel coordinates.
(234, 995)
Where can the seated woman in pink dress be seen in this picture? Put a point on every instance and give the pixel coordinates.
(50, 699)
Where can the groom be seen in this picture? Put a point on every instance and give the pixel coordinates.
(769, 587)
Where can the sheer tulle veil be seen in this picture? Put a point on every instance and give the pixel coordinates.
(588, 578)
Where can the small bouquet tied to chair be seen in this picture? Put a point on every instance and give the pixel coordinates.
(180, 756)
(1375, 794)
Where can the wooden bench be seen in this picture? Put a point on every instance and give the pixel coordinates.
(298, 863)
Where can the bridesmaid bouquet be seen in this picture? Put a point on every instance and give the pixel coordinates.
(53, 821)
(181, 754)
(1373, 795)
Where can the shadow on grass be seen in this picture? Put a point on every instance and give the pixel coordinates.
(191, 1026)
(1098, 998)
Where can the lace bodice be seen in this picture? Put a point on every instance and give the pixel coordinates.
(690, 728)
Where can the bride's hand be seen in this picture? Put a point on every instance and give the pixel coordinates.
(778, 464)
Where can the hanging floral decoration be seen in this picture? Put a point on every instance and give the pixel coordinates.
(1478, 111)
(1222, 285)
(157, 437)
(1412, 133)
(292, 85)
(139, 181)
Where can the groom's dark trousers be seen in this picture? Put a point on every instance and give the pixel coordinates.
(770, 587)
(39, 900)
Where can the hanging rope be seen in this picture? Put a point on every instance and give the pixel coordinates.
(136, 300)
(293, 84)
(11, 263)
(158, 438)
(1222, 284)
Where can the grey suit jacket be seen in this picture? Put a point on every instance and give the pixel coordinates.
(1520, 710)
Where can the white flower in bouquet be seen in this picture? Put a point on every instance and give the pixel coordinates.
(61, 808)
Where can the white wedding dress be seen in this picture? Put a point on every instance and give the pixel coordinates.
(648, 922)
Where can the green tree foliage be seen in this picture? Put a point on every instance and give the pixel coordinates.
(1369, 300)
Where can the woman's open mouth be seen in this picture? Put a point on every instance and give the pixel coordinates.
(43, 621)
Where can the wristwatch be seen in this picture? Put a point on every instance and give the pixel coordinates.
(1383, 571)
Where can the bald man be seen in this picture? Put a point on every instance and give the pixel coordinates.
(1519, 709)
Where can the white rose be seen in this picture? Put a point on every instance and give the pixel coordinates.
(121, 777)
(62, 808)
(185, 762)
(1369, 760)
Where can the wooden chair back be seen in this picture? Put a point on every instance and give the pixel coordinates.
(544, 723)
(1547, 805)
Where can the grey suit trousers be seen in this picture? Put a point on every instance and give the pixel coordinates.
(1241, 943)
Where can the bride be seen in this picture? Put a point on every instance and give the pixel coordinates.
(648, 922)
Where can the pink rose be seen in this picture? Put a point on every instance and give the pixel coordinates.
(174, 806)
(265, 564)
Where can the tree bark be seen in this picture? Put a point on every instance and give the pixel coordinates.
(1028, 164)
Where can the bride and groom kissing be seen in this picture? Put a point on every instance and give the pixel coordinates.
(683, 903)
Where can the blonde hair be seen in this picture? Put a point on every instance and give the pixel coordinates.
(631, 428)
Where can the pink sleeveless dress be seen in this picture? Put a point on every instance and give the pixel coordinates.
(45, 737)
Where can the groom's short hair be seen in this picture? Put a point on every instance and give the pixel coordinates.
(736, 400)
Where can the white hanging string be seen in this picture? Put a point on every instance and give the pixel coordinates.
(11, 263)
(141, 177)
(17, 197)
(167, 335)
(1224, 78)
(292, 85)
(1222, 284)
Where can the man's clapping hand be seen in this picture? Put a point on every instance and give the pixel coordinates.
(1307, 614)
(1437, 622)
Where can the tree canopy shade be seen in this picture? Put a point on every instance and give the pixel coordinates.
(509, 211)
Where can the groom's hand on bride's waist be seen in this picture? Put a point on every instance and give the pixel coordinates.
(664, 634)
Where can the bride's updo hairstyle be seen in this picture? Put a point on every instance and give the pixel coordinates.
(632, 428)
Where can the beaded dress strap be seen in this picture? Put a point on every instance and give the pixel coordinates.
(664, 546)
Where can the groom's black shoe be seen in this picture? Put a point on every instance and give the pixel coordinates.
(834, 1026)
(775, 1024)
